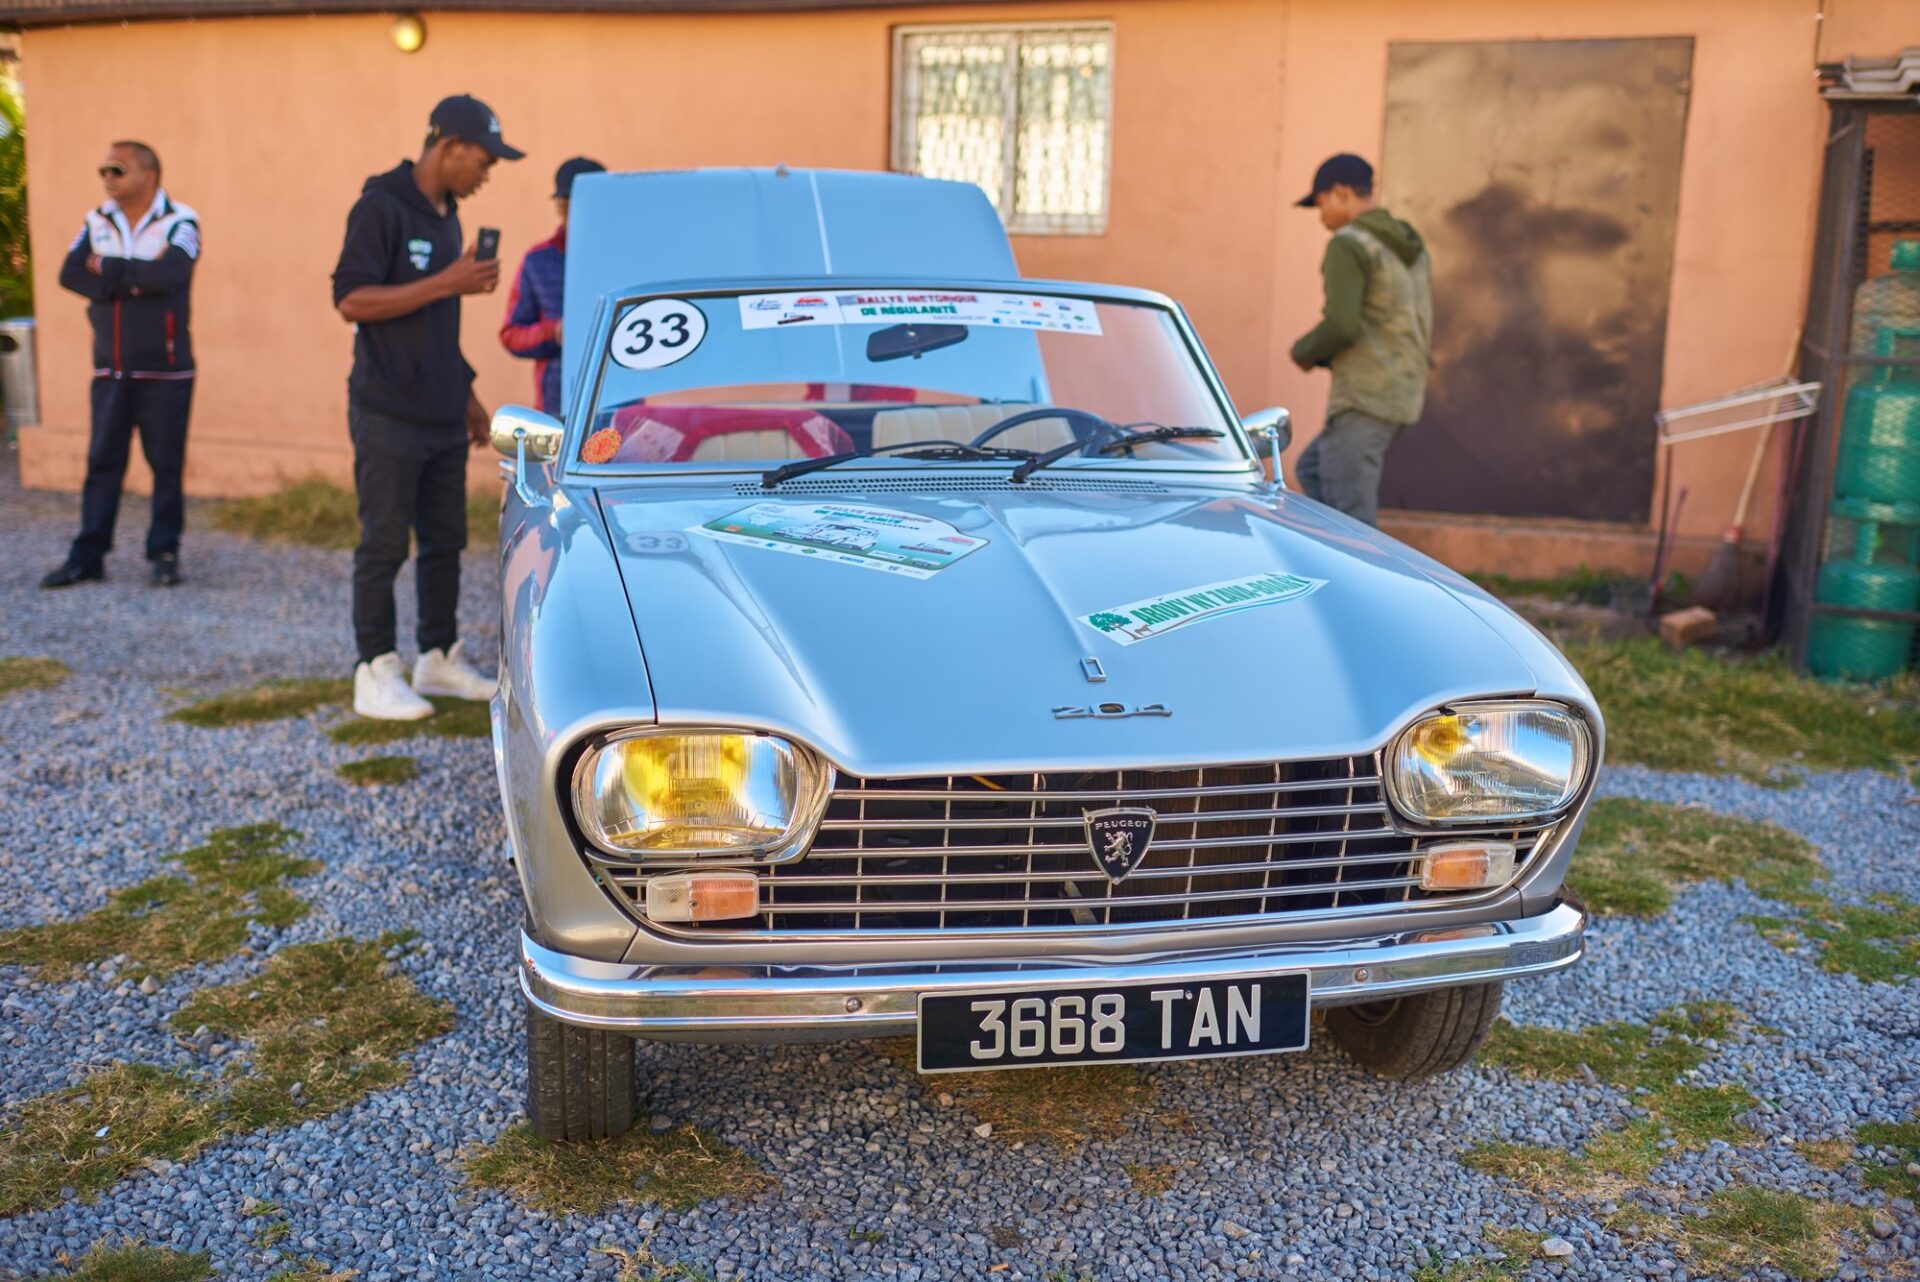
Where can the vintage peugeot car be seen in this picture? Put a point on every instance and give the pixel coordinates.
(894, 645)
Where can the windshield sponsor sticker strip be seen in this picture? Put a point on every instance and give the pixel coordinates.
(872, 538)
(1157, 616)
(880, 307)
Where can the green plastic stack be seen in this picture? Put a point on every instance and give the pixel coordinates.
(1874, 521)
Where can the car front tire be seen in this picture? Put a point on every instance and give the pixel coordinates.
(579, 1080)
(1417, 1036)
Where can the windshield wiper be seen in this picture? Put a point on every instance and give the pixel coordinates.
(1119, 437)
(936, 449)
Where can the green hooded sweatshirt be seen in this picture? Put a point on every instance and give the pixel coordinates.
(1377, 331)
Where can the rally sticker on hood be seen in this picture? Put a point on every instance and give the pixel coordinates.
(873, 538)
(1159, 615)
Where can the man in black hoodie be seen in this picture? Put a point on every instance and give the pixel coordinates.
(410, 403)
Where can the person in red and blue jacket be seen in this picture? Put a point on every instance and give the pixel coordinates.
(532, 328)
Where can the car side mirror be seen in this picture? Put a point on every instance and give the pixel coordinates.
(515, 426)
(1274, 425)
(522, 434)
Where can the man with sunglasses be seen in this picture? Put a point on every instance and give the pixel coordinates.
(410, 404)
(133, 262)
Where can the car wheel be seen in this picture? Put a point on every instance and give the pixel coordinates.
(1417, 1036)
(579, 1080)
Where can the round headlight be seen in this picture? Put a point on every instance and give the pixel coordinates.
(708, 792)
(1489, 763)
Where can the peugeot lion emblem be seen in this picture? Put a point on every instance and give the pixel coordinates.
(1119, 838)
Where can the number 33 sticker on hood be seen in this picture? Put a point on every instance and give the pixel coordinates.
(658, 332)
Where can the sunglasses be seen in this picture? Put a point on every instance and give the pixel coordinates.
(113, 171)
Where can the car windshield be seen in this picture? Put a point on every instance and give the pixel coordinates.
(759, 379)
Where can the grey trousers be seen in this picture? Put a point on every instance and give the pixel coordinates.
(1341, 467)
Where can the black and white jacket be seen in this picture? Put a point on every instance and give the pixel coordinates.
(139, 299)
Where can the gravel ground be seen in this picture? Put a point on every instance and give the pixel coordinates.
(1295, 1166)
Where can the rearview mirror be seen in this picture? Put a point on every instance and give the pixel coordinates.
(1273, 424)
(895, 341)
(514, 425)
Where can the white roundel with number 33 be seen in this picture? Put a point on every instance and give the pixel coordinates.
(658, 332)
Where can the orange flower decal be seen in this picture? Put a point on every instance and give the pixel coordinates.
(601, 446)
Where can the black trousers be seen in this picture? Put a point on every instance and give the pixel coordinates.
(158, 408)
(411, 478)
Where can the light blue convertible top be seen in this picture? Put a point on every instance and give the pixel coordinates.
(628, 231)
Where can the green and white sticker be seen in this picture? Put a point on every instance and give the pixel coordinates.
(1159, 615)
(871, 538)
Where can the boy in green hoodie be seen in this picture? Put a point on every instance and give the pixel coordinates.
(1376, 336)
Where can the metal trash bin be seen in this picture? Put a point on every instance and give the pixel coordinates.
(19, 376)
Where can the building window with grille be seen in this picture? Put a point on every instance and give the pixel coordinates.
(1025, 112)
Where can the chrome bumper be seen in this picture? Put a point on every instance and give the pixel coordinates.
(806, 1003)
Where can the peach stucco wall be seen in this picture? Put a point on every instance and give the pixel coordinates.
(1221, 110)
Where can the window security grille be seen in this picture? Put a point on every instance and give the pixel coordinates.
(1024, 112)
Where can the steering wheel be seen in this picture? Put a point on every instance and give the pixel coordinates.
(1072, 417)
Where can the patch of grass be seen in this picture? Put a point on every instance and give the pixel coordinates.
(675, 1170)
(1635, 1222)
(329, 1022)
(869, 1236)
(17, 673)
(639, 1265)
(1151, 1179)
(271, 1233)
(378, 770)
(1062, 1106)
(1878, 941)
(169, 922)
(1517, 1248)
(310, 1270)
(135, 1262)
(1828, 1155)
(451, 719)
(1633, 854)
(1621, 1054)
(87, 1136)
(1581, 584)
(1748, 1228)
(1903, 1138)
(268, 701)
(1756, 718)
(315, 512)
(318, 513)
(1649, 1058)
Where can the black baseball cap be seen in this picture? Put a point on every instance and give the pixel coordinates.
(571, 169)
(470, 120)
(1343, 170)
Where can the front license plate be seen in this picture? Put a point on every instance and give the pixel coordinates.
(1118, 1024)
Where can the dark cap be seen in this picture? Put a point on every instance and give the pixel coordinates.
(1343, 170)
(470, 120)
(571, 169)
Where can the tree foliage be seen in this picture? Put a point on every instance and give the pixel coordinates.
(16, 280)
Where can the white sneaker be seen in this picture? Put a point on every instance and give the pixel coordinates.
(447, 672)
(380, 691)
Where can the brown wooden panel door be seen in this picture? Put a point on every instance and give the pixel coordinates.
(1545, 177)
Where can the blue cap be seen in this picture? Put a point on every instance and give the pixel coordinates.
(571, 169)
(1343, 170)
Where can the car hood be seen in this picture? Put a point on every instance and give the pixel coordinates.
(1291, 632)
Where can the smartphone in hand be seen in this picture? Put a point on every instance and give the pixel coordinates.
(487, 247)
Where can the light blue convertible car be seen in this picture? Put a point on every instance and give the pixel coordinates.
(895, 645)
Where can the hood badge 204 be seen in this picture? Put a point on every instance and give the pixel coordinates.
(1110, 711)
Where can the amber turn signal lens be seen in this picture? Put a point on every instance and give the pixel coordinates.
(1475, 865)
(706, 896)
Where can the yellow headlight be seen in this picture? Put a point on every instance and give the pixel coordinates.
(1490, 762)
(701, 792)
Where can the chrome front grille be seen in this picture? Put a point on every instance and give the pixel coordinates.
(1010, 852)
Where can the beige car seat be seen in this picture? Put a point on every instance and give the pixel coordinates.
(964, 422)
